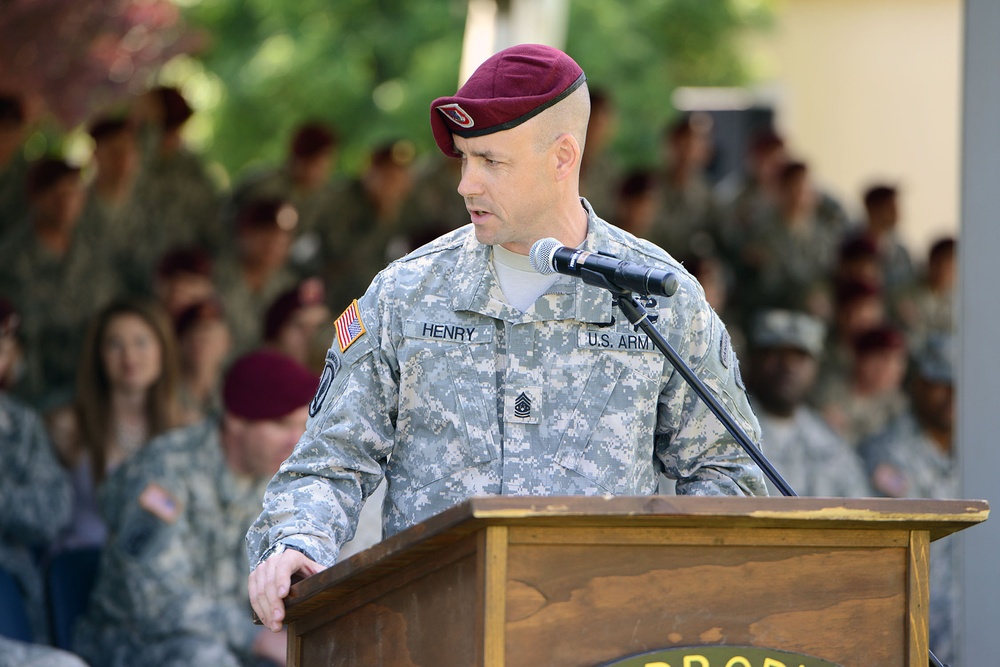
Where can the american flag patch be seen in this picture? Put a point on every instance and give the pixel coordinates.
(349, 327)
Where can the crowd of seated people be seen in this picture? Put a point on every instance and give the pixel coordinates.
(131, 284)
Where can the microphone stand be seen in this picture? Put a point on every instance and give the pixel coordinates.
(636, 313)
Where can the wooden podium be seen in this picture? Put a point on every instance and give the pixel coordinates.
(587, 581)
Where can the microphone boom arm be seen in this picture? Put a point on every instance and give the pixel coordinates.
(639, 317)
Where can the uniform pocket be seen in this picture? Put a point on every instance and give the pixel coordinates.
(444, 422)
(609, 439)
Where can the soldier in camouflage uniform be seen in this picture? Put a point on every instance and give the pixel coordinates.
(687, 210)
(304, 181)
(463, 372)
(250, 279)
(784, 362)
(171, 588)
(35, 492)
(176, 199)
(57, 276)
(913, 458)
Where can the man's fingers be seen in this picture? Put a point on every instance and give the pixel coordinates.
(270, 582)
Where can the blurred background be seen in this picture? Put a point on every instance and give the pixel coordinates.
(865, 90)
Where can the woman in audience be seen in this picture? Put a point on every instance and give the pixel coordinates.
(126, 393)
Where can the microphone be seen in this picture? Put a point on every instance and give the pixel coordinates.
(549, 256)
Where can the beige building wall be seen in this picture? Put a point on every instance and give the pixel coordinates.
(868, 90)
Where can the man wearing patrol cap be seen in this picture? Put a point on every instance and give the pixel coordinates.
(171, 586)
(914, 458)
(785, 347)
(464, 372)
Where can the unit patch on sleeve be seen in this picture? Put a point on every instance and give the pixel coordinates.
(330, 370)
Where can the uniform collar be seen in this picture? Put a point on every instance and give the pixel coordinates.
(476, 289)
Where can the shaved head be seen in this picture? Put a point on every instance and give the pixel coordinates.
(570, 115)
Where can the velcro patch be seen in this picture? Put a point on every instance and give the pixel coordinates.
(523, 405)
(448, 331)
(159, 502)
(349, 326)
(615, 340)
(330, 370)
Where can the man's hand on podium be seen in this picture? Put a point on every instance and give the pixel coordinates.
(269, 583)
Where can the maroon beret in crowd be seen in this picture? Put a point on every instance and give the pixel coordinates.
(267, 214)
(309, 292)
(879, 339)
(858, 247)
(108, 126)
(188, 259)
(265, 384)
(850, 291)
(202, 311)
(509, 88)
(312, 139)
(47, 172)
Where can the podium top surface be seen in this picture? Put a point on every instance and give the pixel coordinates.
(939, 517)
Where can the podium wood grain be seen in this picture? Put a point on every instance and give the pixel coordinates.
(573, 582)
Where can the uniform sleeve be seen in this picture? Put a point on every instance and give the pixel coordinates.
(158, 557)
(312, 504)
(691, 442)
(35, 491)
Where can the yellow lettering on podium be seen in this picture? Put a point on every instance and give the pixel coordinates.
(689, 661)
(771, 662)
(738, 661)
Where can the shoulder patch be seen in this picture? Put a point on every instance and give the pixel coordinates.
(330, 370)
(725, 349)
(159, 502)
(349, 326)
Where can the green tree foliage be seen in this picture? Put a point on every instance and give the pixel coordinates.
(371, 67)
(640, 51)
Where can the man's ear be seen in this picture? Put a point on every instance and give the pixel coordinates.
(566, 152)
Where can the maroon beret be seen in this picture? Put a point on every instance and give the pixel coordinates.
(267, 214)
(511, 87)
(202, 311)
(879, 339)
(312, 139)
(185, 259)
(265, 384)
(309, 292)
(47, 172)
(859, 247)
(849, 291)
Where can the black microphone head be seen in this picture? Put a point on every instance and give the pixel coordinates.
(541, 254)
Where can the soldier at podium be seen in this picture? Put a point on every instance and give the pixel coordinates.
(463, 372)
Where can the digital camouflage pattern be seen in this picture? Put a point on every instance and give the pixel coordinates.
(904, 462)
(813, 459)
(450, 393)
(56, 297)
(245, 308)
(35, 499)
(172, 583)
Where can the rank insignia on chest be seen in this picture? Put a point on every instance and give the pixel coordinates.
(523, 406)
